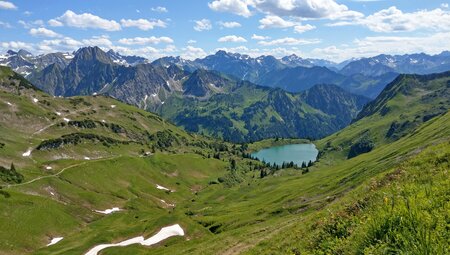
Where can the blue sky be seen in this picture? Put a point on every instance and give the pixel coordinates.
(330, 29)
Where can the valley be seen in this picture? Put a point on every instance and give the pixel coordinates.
(92, 170)
(225, 127)
(203, 100)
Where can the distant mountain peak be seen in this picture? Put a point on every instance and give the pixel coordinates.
(120, 59)
(11, 52)
(221, 53)
(292, 56)
(91, 54)
(24, 53)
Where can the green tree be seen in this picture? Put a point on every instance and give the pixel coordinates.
(233, 164)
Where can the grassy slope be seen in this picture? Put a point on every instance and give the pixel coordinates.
(403, 210)
(407, 102)
(60, 201)
(270, 215)
(278, 214)
(276, 209)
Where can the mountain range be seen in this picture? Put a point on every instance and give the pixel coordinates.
(365, 76)
(248, 112)
(205, 101)
(211, 95)
(26, 63)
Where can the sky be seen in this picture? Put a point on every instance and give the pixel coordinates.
(335, 30)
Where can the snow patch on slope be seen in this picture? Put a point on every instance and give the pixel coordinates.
(164, 233)
(55, 240)
(109, 211)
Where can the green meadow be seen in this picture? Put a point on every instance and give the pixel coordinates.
(391, 199)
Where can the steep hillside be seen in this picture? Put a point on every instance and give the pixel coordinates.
(64, 161)
(382, 200)
(402, 106)
(34, 120)
(248, 112)
(93, 71)
(204, 83)
(389, 195)
(335, 101)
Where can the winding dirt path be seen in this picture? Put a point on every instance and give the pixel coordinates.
(58, 173)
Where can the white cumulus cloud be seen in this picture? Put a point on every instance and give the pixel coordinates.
(307, 9)
(31, 24)
(294, 8)
(260, 37)
(257, 52)
(63, 44)
(143, 24)
(238, 7)
(100, 41)
(230, 24)
(145, 40)
(7, 5)
(289, 41)
(84, 20)
(16, 45)
(192, 53)
(303, 28)
(43, 32)
(395, 20)
(272, 21)
(232, 38)
(148, 52)
(203, 24)
(375, 45)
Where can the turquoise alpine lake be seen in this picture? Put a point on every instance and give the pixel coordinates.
(296, 153)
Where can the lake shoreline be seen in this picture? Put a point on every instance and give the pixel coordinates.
(295, 154)
(273, 142)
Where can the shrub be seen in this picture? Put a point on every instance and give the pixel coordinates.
(364, 145)
(77, 138)
(10, 175)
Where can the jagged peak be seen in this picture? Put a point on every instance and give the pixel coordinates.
(23, 52)
(91, 53)
(221, 53)
(11, 52)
